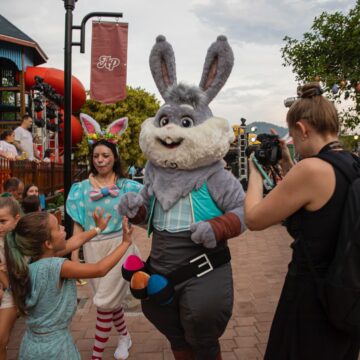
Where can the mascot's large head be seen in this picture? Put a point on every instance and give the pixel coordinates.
(184, 134)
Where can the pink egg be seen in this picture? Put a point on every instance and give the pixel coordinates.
(133, 263)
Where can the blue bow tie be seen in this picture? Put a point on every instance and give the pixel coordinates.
(111, 190)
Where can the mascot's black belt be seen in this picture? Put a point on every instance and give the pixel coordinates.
(146, 284)
(199, 265)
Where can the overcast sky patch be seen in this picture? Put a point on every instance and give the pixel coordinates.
(265, 22)
(258, 83)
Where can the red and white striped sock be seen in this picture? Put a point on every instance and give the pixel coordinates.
(119, 321)
(102, 332)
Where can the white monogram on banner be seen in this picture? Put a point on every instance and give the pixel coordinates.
(108, 61)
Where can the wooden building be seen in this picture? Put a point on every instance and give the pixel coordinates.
(17, 51)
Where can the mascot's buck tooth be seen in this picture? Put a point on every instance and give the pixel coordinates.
(192, 206)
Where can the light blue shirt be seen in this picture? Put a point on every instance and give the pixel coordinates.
(80, 207)
(177, 218)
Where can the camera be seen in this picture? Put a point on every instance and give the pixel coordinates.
(268, 152)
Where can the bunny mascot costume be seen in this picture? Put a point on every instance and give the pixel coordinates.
(84, 198)
(191, 203)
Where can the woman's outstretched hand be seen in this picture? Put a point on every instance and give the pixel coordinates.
(127, 230)
(100, 220)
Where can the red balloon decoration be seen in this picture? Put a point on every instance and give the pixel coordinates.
(76, 130)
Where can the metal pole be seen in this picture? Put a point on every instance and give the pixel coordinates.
(69, 7)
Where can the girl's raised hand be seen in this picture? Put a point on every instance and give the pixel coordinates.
(127, 230)
(99, 218)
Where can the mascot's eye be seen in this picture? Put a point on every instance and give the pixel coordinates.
(187, 122)
(163, 121)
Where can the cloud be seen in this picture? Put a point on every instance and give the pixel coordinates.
(264, 22)
(255, 29)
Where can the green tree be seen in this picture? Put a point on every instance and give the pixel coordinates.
(137, 107)
(330, 53)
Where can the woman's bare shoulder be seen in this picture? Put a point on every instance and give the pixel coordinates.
(313, 166)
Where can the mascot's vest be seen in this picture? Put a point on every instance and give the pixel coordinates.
(203, 207)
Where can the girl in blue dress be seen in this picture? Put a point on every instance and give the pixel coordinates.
(44, 288)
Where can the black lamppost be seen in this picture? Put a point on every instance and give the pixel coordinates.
(69, 7)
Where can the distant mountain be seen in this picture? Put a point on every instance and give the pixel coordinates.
(264, 127)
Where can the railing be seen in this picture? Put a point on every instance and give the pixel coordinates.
(49, 177)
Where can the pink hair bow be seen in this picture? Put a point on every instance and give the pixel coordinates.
(111, 190)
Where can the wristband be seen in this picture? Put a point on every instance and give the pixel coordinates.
(98, 230)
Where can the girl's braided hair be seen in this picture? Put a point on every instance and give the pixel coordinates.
(23, 245)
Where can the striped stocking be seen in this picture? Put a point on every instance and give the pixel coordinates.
(102, 332)
(119, 321)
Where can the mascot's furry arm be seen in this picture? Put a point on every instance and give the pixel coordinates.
(229, 196)
(135, 206)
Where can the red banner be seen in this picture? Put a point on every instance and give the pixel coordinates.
(108, 61)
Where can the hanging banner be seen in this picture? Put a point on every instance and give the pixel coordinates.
(108, 61)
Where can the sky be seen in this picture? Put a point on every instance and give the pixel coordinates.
(255, 29)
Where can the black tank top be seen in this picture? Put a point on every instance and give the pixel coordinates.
(319, 229)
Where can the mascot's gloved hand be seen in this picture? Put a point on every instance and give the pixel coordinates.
(131, 205)
(202, 233)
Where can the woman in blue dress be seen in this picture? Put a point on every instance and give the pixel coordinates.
(104, 188)
(44, 288)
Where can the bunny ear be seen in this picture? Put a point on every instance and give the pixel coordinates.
(162, 65)
(89, 124)
(218, 64)
(118, 126)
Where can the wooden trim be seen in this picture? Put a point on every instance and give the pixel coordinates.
(34, 45)
(15, 122)
(10, 88)
(22, 83)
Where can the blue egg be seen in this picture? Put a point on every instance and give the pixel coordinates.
(105, 191)
(156, 283)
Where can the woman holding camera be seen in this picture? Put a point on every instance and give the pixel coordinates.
(311, 197)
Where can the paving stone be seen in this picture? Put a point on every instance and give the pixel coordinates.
(259, 262)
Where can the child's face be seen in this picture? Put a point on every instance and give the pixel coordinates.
(33, 190)
(58, 234)
(17, 194)
(7, 221)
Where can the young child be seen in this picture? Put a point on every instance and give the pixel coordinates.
(45, 288)
(9, 215)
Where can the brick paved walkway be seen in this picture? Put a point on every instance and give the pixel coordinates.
(259, 261)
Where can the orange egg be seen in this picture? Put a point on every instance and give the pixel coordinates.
(139, 280)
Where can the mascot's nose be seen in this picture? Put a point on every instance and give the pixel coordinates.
(170, 127)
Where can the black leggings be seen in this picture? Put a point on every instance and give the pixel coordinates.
(198, 314)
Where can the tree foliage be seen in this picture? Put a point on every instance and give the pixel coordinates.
(137, 107)
(330, 53)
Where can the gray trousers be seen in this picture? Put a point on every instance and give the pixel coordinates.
(198, 314)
